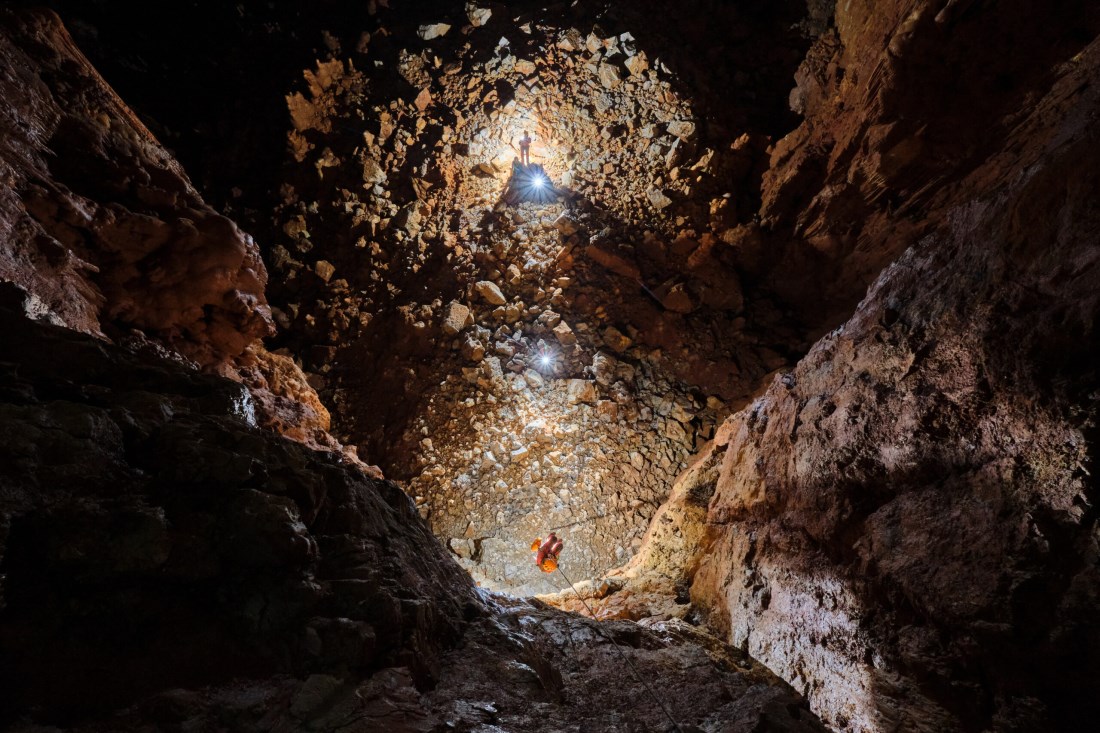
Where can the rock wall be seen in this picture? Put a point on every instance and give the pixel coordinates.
(166, 564)
(903, 101)
(904, 525)
(100, 223)
(104, 231)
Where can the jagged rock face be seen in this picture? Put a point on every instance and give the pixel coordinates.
(101, 225)
(904, 525)
(103, 230)
(903, 101)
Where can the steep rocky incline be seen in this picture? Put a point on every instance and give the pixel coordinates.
(152, 538)
(904, 526)
(101, 225)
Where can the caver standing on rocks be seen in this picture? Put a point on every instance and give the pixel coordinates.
(546, 553)
(525, 148)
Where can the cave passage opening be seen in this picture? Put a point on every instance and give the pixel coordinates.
(537, 320)
(388, 223)
(530, 361)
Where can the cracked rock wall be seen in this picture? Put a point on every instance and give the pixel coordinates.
(904, 525)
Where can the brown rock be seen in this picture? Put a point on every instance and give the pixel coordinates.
(433, 30)
(609, 76)
(564, 334)
(324, 269)
(613, 261)
(581, 391)
(616, 340)
(678, 300)
(490, 292)
(456, 317)
(423, 99)
(139, 248)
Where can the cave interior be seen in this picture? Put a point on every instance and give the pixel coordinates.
(316, 318)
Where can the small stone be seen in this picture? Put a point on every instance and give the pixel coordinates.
(658, 198)
(637, 65)
(581, 391)
(678, 300)
(564, 334)
(609, 76)
(566, 225)
(682, 129)
(324, 269)
(608, 410)
(473, 349)
(490, 293)
(423, 99)
(616, 340)
(455, 318)
(433, 30)
(478, 16)
(373, 172)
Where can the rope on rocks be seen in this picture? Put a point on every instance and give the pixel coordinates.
(622, 654)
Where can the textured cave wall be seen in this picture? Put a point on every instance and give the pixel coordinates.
(164, 563)
(904, 526)
(101, 226)
(903, 101)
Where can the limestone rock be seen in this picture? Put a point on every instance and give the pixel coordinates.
(477, 15)
(581, 391)
(637, 64)
(564, 334)
(614, 262)
(616, 340)
(490, 292)
(324, 269)
(456, 317)
(683, 129)
(472, 349)
(658, 199)
(678, 300)
(609, 76)
(566, 225)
